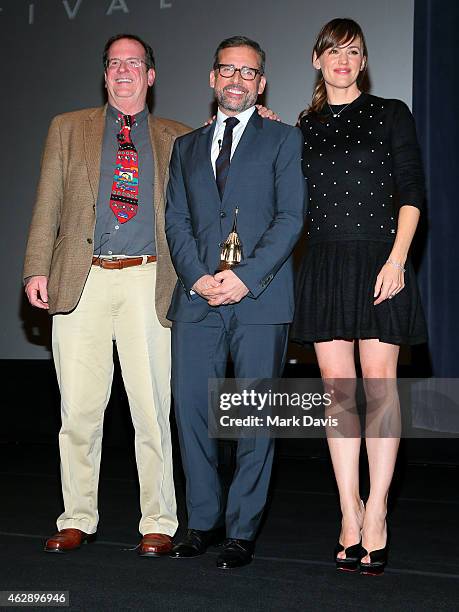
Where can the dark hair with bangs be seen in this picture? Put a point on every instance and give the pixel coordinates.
(335, 33)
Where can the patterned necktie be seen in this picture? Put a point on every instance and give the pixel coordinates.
(125, 188)
(222, 163)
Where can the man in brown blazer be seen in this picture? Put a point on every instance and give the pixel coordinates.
(98, 261)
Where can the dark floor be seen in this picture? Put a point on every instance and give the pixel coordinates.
(293, 569)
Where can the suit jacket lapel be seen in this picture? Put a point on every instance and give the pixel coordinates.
(243, 153)
(93, 137)
(161, 145)
(203, 158)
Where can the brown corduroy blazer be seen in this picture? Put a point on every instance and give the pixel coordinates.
(61, 236)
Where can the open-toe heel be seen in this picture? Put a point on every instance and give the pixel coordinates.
(378, 561)
(351, 562)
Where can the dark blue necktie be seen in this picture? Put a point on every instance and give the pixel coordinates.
(222, 163)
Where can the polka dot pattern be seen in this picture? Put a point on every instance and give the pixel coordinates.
(347, 160)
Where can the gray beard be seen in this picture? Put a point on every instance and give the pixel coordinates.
(246, 102)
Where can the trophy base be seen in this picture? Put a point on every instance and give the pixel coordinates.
(225, 265)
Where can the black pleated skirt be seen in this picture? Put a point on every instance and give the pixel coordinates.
(334, 296)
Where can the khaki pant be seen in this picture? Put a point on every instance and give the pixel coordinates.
(116, 305)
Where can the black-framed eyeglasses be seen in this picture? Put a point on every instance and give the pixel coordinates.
(247, 73)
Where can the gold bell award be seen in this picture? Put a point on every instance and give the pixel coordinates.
(231, 251)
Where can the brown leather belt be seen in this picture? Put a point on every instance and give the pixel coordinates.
(120, 263)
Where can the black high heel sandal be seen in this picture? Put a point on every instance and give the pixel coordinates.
(378, 561)
(351, 562)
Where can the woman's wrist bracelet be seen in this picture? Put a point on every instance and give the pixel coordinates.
(397, 265)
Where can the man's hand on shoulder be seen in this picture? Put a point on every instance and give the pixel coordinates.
(267, 113)
(210, 120)
(230, 289)
(36, 289)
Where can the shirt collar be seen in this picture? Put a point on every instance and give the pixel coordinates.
(114, 112)
(243, 117)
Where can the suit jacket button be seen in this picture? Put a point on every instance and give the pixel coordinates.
(89, 240)
(223, 215)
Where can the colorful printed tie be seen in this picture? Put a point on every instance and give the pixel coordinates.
(125, 188)
(222, 163)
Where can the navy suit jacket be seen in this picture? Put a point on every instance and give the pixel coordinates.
(266, 183)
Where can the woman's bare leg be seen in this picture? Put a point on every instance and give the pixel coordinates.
(336, 361)
(379, 361)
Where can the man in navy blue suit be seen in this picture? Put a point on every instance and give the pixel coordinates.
(253, 165)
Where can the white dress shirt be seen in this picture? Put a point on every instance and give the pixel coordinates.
(220, 130)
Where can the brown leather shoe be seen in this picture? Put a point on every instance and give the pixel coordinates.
(154, 545)
(68, 539)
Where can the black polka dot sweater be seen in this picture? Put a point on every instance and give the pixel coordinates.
(362, 162)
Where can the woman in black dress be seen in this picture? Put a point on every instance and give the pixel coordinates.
(356, 285)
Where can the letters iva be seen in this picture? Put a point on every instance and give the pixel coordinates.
(72, 9)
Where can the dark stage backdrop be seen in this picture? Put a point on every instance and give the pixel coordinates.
(51, 52)
(436, 95)
(52, 64)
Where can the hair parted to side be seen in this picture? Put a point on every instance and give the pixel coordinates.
(241, 41)
(149, 55)
(335, 33)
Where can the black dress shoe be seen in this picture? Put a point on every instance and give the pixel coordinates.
(196, 542)
(235, 553)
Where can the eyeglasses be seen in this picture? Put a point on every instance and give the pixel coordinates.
(248, 74)
(132, 62)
